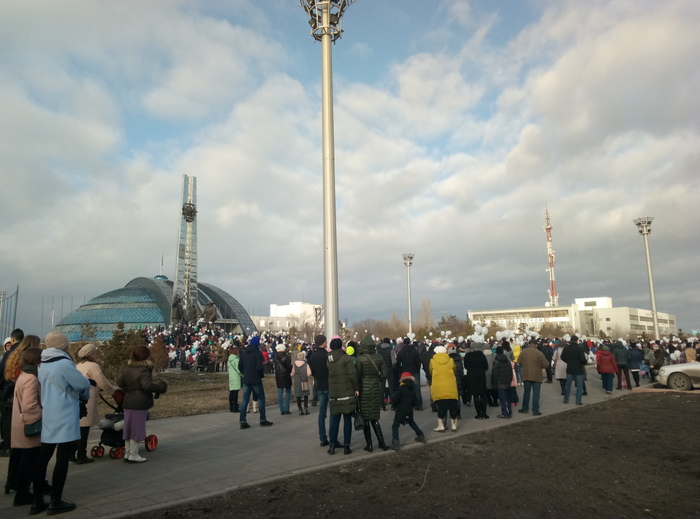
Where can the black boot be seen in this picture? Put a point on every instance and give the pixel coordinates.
(306, 405)
(380, 436)
(38, 504)
(301, 411)
(368, 438)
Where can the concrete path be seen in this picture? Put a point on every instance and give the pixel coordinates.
(207, 455)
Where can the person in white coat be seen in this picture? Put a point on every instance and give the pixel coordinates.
(63, 387)
(91, 370)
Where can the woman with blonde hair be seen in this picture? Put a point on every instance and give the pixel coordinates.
(91, 370)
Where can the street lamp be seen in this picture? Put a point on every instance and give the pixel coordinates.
(644, 226)
(324, 20)
(408, 261)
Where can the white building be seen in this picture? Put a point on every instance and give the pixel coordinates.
(587, 316)
(293, 315)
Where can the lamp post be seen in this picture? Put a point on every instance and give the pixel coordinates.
(644, 226)
(324, 20)
(408, 261)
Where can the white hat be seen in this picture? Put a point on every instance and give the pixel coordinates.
(9, 339)
(440, 349)
(280, 347)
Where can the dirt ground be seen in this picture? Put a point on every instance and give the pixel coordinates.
(633, 456)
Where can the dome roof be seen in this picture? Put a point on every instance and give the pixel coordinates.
(145, 302)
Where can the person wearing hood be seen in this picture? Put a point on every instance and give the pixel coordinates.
(63, 388)
(403, 401)
(91, 370)
(373, 373)
(477, 366)
(606, 366)
(408, 360)
(234, 379)
(636, 359)
(139, 386)
(283, 378)
(344, 387)
(502, 378)
(443, 390)
(251, 365)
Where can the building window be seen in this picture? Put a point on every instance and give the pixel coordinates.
(607, 319)
(589, 303)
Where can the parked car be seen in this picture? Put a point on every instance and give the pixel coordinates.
(682, 377)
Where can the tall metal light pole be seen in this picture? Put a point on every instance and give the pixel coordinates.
(644, 226)
(408, 261)
(324, 19)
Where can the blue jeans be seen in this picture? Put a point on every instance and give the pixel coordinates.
(322, 413)
(260, 393)
(535, 387)
(504, 399)
(579, 387)
(347, 429)
(284, 400)
(608, 380)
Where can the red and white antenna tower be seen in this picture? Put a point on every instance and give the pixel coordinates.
(553, 295)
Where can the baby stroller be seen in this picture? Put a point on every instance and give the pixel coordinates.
(112, 425)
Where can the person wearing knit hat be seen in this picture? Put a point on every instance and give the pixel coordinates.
(318, 362)
(300, 375)
(403, 401)
(89, 366)
(344, 386)
(283, 377)
(443, 390)
(139, 387)
(251, 364)
(409, 360)
(62, 388)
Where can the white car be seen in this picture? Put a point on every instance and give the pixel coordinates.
(682, 377)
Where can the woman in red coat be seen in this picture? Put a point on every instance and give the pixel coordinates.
(607, 367)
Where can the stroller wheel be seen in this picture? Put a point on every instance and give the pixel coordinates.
(94, 452)
(100, 451)
(113, 453)
(119, 454)
(151, 442)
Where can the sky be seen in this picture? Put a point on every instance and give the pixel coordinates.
(457, 123)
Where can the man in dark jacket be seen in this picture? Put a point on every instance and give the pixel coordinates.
(318, 362)
(251, 365)
(575, 359)
(408, 361)
(622, 358)
(385, 350)
(548, 353)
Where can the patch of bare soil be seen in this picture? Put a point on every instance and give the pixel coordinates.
(634, 456)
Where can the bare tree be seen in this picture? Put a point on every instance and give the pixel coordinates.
(425, 318)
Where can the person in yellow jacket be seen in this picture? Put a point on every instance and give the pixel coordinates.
(443, 390)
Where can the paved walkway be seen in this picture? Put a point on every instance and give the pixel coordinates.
(206, 455)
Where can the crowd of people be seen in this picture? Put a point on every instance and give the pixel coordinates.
(48, 401)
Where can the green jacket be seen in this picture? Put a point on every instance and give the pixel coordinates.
(371, 381)
(342, 382)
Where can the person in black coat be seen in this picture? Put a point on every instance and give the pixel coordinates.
(502, 378)
(548, 351)
(403, 400)
(408, 361)
(251, 365)
(477, 365)
(575, 358)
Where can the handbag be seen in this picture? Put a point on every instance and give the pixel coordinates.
(30, 429)
(359, 421)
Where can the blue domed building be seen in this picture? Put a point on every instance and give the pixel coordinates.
(146, 302)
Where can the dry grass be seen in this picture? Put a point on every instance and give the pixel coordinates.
(191, 393)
